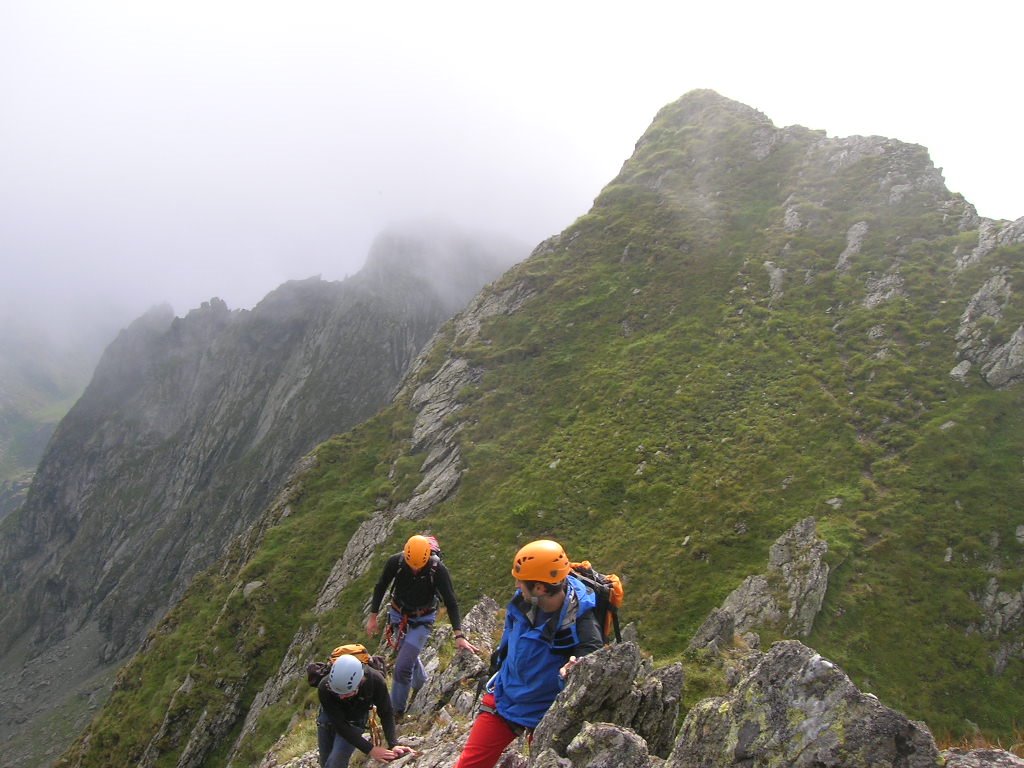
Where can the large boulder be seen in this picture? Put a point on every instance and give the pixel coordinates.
(787, 596)
(615, 685)
(600, 745)
(799, 710)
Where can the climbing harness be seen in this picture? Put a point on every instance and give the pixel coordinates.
(395, 633)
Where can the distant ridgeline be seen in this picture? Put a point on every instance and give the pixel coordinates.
(752, 327)
(187, 429)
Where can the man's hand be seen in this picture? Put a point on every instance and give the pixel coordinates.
(371, 624)
(401, 750)
(464, 644)
(382, 754)
(573, 661)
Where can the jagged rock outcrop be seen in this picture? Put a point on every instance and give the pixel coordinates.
(854, 240)
(1001, 364)
(991, 235)
(453, 684)
(796, 709)
(1002, 618)
(12, 493)
(776, 279)
(188, 427)
(793, 588)
(615, 685)
(883, 289)
(599, 745)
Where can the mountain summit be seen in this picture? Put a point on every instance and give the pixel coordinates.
(753, 326)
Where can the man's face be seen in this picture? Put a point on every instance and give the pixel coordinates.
(523, 587)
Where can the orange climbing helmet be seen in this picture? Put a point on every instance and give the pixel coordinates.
(541, 560)
(417, 551)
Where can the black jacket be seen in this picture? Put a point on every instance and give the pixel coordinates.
(416, 592)
(350, 716)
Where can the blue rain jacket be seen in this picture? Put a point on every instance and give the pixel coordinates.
(528, 680)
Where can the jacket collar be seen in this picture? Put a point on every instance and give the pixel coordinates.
(562, 620)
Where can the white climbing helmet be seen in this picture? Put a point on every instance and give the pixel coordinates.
(346, 674)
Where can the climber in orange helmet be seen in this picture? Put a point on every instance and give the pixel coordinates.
(419, 577)
(549, 625)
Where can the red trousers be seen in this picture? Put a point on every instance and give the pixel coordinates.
(487, 739)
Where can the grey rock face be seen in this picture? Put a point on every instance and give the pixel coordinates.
(791, 220)
(883, 289)
(960, 370)
(752, 604)
(615, 685)
(776, 279)
(599, 745)
(1012, 233)
(1001, 364)
(987, 242)
(991, 235)
(166, 456)
(798, 710)
(1005, 364)
(797, 577)
(444, 686)
(987, 303)
(799, 556)
(854, 239)
(1003, 612)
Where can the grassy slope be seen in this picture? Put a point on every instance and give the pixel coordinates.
(656, 412)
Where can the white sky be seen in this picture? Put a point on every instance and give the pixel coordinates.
(153, 150)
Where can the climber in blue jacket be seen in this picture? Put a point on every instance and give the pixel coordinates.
(549, 625)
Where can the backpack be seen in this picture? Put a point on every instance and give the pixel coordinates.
(318, 670)
(435, 548)
(610, 593)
